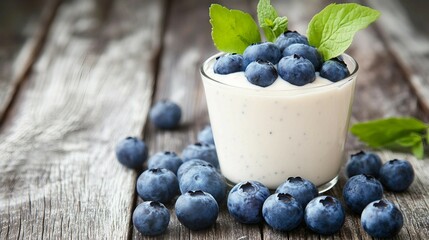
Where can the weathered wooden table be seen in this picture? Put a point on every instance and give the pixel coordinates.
(77, 76)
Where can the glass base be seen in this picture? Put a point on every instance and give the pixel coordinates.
(321, 189)
(325, 187)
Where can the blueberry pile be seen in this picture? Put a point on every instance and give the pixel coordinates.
(196, 178)
(290, 57)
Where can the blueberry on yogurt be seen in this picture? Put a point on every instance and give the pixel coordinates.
(305, 51)
(266, 51)
(261, 73)
(288, 38)
(296, 70)
(334, 70)
(228, 63)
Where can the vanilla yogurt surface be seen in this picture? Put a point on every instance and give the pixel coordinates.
(270, 134)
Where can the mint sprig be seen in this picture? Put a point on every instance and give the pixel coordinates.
(269, 21)
(332, 30)
(408, 133)
(232, 30)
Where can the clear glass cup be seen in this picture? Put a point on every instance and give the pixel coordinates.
(270, 135)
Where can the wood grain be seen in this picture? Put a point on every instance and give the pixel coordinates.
(408, 41)
(23, 28)
(91, 87)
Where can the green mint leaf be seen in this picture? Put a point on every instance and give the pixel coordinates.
(418, 150)
(232, 30)
(269, 21)
(332, 30)
(382, 132)
(427, 136)
(409, 141)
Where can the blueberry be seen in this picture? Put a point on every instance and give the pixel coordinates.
(279, 205)
(165, 114)
(245, 201)
(166, 159)
(288, 38)
(261, 73)
(206, 135)
(382, 219)
(151, 218)
(131, 152)
(267, 51)
(203, 151)
(301, 189)
(305, 51)
(360, 190)
(397, 175)
(204, 178)
(157, 184)
(363, 163)
(228, 63)
(296, 70)
(334, 70)
(196, 210)
(324, 215)
(189, 164)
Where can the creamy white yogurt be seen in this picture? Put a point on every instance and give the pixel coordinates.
(270, 134)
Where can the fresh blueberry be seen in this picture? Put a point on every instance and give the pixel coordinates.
(131, 152)
(296, 70)
(301, 189)
(397, 175)
(204, 178)
(382, 219)
(203, 151)
(167, 159)
(334, 70)
(157, 184)
(288, 38)
(245, 201)
(324, 215)
(360, 190)
(228, 63)
(165, 114)
(364, 163)
(197, 210)
(151, 218)
(261, 73)
(304, 51)
(279, 205)
(267, 51)
(189, 164)
(206, 135)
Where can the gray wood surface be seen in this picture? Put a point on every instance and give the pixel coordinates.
(90, 87)
(23, 27)
(103, 65)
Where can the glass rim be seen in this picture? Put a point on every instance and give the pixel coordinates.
(319, 87)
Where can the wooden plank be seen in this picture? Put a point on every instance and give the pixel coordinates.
(90, 88)
(401, 26)
(23, 27)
